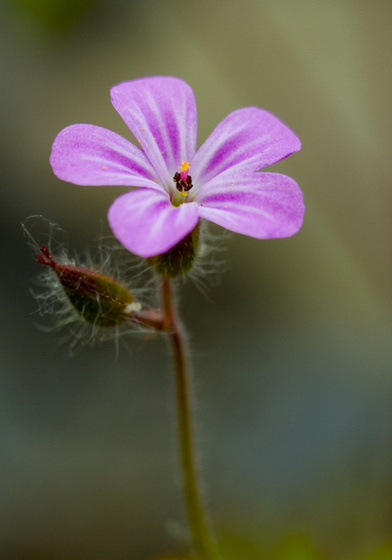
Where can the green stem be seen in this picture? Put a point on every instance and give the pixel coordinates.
(204, 543)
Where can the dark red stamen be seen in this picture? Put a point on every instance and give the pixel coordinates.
(182, 185)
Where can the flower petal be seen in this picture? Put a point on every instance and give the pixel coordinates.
(85, 154)
(161, 113)
(245, 141)
(147, 224)
(261, 205)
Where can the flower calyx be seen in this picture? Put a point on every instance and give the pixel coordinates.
(179, 259)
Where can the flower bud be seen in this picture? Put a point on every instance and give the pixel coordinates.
(99, 299)
(180, 259)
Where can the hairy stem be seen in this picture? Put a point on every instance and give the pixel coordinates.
(204, 543)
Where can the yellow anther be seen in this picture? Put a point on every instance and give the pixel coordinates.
(184, 166)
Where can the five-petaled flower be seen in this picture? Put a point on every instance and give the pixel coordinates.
(219, 182)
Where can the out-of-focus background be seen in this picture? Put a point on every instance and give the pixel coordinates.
(292, 349)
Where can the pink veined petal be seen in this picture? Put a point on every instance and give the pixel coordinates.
(261, 205)
(85, 154)
(161, 113)
(245, 141)
(147, 224)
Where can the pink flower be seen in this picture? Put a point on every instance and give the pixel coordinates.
(179, 185)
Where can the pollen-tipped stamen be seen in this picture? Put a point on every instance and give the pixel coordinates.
(183, 180)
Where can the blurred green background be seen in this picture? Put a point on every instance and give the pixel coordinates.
(292, 350)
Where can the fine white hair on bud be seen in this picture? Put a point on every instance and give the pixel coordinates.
(98, 298)
(91, 298)
(210, 262)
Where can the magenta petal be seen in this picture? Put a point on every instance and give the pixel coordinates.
(85, 154)
(245, 141)
(147, 224)
(161, 113)
(261, 205)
